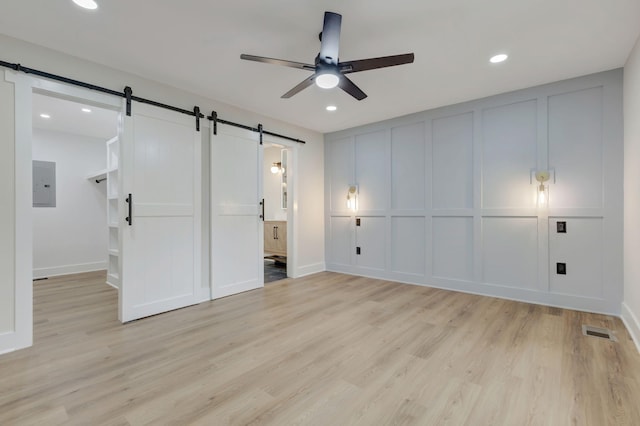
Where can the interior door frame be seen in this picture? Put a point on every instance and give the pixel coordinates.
(292, 200)
(25, 86)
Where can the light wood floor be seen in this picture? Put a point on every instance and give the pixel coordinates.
(328, 349)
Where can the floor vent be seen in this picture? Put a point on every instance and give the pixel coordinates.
(601, 333)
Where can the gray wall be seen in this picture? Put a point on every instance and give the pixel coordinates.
(447, 197)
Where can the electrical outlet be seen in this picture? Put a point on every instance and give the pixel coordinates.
(357, 221)
(561, 227)
(561, 268)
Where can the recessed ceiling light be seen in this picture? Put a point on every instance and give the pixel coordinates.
(45, 116)
(332, 108)
(87, 4)
(498, 58)
(86, 110)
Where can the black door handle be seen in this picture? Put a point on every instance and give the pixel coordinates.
(262, 204)
(129, 218)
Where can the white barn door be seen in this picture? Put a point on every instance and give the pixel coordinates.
(237, 236)
(161, 241)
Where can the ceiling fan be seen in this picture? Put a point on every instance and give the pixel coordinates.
(328, 71)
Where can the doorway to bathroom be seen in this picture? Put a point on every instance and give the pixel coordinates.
(275, 192)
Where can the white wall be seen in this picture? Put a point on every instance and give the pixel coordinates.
(272, 186)
(446, 196)
(309, 209)
(71, 237)
(631, 305)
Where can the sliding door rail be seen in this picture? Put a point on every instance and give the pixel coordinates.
(128, 95)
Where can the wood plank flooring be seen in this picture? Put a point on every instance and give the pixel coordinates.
(328, 349)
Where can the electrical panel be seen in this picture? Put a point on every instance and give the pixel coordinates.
(44, 184)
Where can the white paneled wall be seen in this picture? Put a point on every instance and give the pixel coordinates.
(510, 251)
(452, 148)
(509, 153)
(584, 233)
(408, 231)
(371, 168)
(448, 197)
(575, 148)
(452, 247)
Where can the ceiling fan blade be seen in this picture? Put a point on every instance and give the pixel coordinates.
(330, 42)
(283, 62)
(374, 63)
(303, 85)
(351, 88)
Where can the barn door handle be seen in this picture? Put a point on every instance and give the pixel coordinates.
(262, 204)
(129, 201)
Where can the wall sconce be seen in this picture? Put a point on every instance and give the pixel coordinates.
(276, 167)
(542, 177)
(352, 195)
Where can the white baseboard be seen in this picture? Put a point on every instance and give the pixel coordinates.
(69, 269)
(6, 343)
(314, 268)
(631, 322)
(6, 351)
(11, 341)
(112, 285)
(578, 303)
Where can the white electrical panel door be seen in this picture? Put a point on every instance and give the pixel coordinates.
(161, 199)
(237, 230)
(44, 184)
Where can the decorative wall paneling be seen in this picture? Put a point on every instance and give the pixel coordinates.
(448, 197)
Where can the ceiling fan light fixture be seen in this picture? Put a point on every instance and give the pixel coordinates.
(328, 71)
(327, 80)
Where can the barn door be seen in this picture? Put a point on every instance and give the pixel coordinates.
(236, 226)
(160, 217)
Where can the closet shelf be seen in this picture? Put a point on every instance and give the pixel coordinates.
(99, 175)
(113, 280)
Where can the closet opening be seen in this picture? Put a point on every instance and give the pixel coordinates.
(74, 155)
(276, 171)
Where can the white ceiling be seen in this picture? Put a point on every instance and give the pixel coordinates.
(67, 116)
(196, 45)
